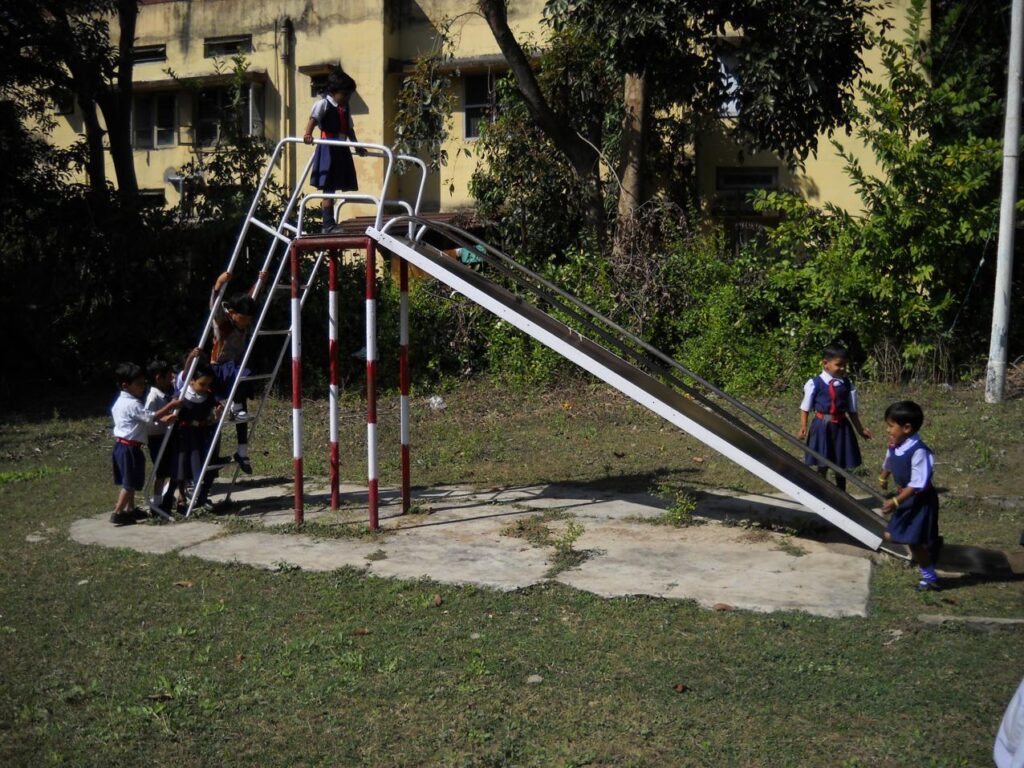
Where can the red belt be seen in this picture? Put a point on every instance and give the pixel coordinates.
(125, 441)
(837, 419)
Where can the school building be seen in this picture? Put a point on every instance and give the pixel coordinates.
(183, 72)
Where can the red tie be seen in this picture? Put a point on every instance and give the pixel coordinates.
(832, 410)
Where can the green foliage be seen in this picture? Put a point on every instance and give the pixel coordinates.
(527, 191)
(896, 273)
(426, 101)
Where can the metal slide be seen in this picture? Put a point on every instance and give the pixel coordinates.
(704, 420)
(706, 417)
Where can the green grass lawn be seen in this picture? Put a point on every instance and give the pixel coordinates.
(111, 657)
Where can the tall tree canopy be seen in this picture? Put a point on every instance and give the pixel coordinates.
(792, 66)
(57, 48)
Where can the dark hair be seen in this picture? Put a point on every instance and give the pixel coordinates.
(242, 304)
(905, 412)
(126, 373)
(202, 368)
(832, 351)
(339, 80)
(158, 367)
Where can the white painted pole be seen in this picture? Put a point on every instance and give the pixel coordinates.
(995, 375)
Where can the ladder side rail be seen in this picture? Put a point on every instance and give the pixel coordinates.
(452, 231)
(204, 335)
(250, 346)
(282, 225)
(219, 427)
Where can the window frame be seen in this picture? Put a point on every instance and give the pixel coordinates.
(488, 109)
(226, 45)
(155, 128)
(255, 113)
(143, 54)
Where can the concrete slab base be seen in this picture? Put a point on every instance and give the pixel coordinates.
(462, 535)
(154, 539)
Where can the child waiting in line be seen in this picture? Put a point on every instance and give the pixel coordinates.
(832, 398)
(915, 508)
(333, 169)
(161, 392)
(199, 411)
(131, 427)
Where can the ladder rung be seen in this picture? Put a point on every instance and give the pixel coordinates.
(257, 377)
(286, 225)
(288, 287)
(270, 230)
(275, 332)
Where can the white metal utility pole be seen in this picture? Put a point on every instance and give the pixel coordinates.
(995, 376)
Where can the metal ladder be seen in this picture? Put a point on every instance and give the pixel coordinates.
(277, 259)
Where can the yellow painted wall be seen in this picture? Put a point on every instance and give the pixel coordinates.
(363, 36)
(369, 39)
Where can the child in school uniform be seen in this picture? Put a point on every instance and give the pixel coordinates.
(199, 410)
(231, 321)
(131, 428)
(832, 400)
(333, 169)
(915, 508)
(161, 392)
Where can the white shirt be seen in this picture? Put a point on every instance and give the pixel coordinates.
(131, 419)
(921, 463)
(1008, 751)
(321, 105)
(155, 400)
(808, 401)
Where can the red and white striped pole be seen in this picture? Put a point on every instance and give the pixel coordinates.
(296, 383)
(403, 375)
(371, 381)
(332, 335)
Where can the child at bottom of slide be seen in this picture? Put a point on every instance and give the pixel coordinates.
(915, 508)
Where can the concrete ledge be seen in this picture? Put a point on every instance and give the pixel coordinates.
(974, 622)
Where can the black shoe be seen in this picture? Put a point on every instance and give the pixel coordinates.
(139, 513)
(122, 518)
(243, 463)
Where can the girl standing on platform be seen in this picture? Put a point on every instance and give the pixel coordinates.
(832, 399)
(915, 508)
(333, 169)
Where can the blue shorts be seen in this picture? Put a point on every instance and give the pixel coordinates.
(224, 377)
(129, 466)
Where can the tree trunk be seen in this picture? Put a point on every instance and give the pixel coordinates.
(582, 157)
(116, 104)
(635, 121)
(95, 166)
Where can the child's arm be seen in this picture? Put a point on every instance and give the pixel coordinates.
(307, 137)
(361, 151)
(904, 494)
(803, 425)
(855, 420)
(167, 411)
(223, 279)
(883, 479)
